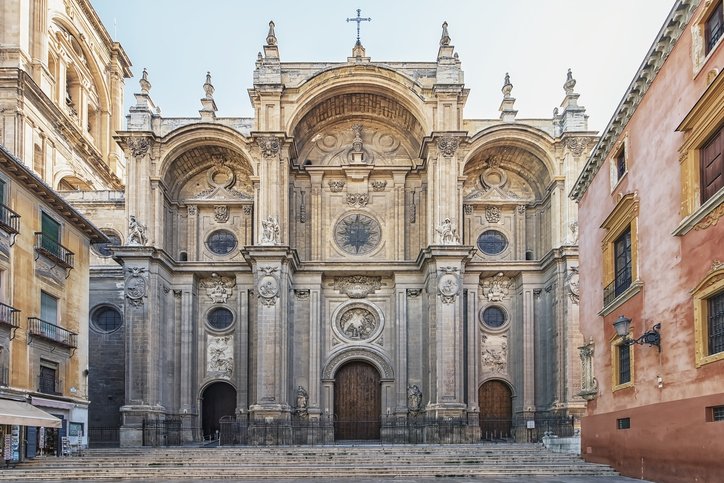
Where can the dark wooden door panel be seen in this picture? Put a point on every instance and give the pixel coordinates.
(219, 400)
(357, 402)
(496, 410)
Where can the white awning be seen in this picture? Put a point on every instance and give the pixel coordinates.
(24, 414)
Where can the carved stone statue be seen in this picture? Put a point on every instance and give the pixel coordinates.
(136, 232)
(448, 235)
(270, 231)
(414, 398)
(302, 401)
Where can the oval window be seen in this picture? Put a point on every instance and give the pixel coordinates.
(221, 242)
(107, 319)
(494, 317)
(220, 318)
(492, 242)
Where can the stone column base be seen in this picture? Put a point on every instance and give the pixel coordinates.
(133, 430)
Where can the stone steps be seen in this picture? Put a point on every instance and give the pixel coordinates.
(367, 461)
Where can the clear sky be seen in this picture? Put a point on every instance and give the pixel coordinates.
(536, 41)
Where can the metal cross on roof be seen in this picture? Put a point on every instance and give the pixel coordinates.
(359, 20)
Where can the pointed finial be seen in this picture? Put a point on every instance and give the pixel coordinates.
(145, 85)
(570, 83)
(208, 87)
(271, 37)
(259, 56)
(507, 86)
(445, 39)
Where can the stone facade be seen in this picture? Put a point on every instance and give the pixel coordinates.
(348, 215)
(357, 217)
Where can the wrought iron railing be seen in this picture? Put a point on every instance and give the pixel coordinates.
(55, 333)
(55, 251)
(616, 288)
(50, 385)
(9, 316)
(9, 220)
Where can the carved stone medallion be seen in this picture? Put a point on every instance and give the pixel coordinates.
(136, 286)
(268, 290)
(573, 284)
(358, 322)
(495, 288)
(492, 214)
(269, 146)
(448, 145)
(448, 287)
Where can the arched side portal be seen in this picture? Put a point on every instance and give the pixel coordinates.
(217, 400)
(496, 410)
(357, 402)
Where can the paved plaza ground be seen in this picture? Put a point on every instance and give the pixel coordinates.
(570, 479)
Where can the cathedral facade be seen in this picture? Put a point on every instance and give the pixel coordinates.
(357, 251)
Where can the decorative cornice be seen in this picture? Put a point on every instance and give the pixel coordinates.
(666, 40)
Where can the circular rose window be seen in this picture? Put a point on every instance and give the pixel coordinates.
(220, 318)
(357, 234)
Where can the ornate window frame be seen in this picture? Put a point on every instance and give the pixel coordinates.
(699, 55)
(698, 126)
(616, 342)
(712, 284)
(623, 216)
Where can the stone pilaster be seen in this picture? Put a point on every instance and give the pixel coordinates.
(444, 267)
(273, 267)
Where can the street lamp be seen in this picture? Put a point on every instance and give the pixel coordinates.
(651, 337)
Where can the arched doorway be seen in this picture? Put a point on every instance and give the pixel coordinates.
(496, 410)
(218, 400)
(357, 405)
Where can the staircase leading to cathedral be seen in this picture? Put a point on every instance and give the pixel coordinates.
(341, 461)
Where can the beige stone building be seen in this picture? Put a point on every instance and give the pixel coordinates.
(358, 253)
(61, 96)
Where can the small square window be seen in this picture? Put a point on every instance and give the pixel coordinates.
(623, 423)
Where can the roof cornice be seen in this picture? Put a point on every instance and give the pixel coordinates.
(665, 41)
(13, 166)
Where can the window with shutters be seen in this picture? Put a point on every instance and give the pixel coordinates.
(701, 163)
(712, 166)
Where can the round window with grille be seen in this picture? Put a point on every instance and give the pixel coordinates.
(494, 317)
(492, 242)
(221, 242)
(220, 318)
(107, 319)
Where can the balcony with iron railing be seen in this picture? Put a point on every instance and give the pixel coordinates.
(9, 316)
(56, 252)
(51, 332)
(9, 220)
(616, 288)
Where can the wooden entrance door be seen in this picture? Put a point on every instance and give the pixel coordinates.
(357, 405)
(496, 410)
(218, 400)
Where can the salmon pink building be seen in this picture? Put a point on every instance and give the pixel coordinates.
(651, 201)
